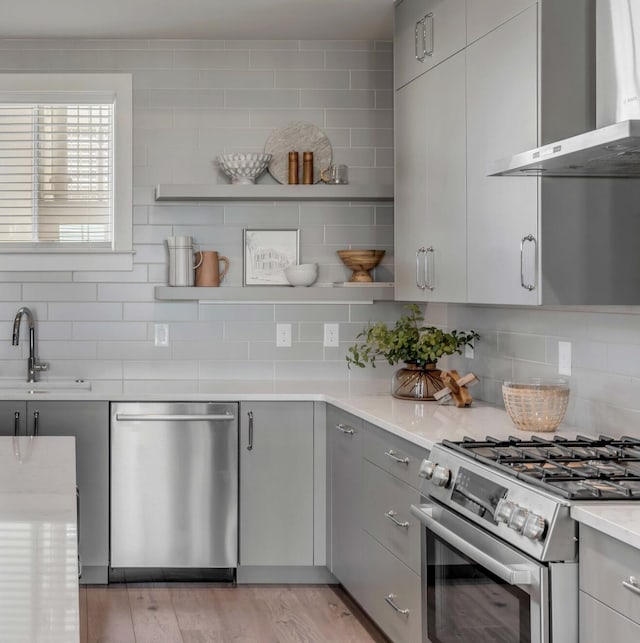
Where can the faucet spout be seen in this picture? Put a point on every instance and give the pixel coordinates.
(33, 366)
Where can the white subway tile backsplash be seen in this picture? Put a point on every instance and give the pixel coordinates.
(316, 80)
(358, 60)
(211, 59)
(132, 331)
(227, 79)
(59, 292)
(324, 98)
(226, 350)
(287, 60)
(86, 311)
(159, 311)
(125, 292)
(160, 369)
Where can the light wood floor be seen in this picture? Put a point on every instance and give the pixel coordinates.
(202, 613)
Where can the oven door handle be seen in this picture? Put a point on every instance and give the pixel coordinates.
(511, 574)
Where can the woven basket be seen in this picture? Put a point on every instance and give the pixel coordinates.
(536, 407)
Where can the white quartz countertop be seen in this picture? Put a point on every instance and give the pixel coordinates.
(620, 520)
(38, 544)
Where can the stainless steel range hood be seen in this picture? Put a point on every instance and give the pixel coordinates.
(611, 152)
(613, 149)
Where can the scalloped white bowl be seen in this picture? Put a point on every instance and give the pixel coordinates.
(243, 168)
(304, 274)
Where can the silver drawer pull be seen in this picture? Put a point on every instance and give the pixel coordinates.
(391, 515)
(392, 454)
(632, 584)
(345, 428)
(391, 599)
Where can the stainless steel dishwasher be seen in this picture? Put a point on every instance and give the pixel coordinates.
(174, 485)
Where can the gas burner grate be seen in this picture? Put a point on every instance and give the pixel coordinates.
(581, 468)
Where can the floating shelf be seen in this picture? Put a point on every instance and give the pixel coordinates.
(277, 294)
(270, 192)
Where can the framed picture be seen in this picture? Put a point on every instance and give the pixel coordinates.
(266, 255)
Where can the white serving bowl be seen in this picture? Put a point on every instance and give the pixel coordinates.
(243, 168)
(303, 274)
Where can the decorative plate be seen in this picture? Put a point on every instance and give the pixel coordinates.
(300, 137)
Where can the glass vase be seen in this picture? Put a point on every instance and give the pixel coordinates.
(417, 383)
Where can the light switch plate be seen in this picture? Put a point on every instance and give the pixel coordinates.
(161, 334)
(283, 335)
(469, 353)
(564, 358)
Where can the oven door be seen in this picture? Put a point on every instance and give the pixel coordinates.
(476, 588)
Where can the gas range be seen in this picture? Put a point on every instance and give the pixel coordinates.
(522, 490)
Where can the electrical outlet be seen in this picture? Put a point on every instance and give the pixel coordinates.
(332, 335)
(564, 358)
(283, 335)
(161, 334)
(469, 353)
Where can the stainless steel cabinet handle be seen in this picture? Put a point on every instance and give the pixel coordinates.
(528, 239)
(420, 273)
(632, 585)
(391, 515)
(429, 273)
(250, 442)
(392, 454)
(420, 35)
(391, 599)
(36, 422)
(345, 428)
(16, 423)
(512, 574)
(428, 18)
(153, 417)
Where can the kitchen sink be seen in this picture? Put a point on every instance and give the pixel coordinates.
(43, 387)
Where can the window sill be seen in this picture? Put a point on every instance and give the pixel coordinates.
(77, 261)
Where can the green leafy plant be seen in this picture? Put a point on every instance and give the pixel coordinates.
(408, 341)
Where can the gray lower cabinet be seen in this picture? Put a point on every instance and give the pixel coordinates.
(276, 484)
(599, 623)
(609, 576)
(374, 541)
(344, 440)
(88, 422)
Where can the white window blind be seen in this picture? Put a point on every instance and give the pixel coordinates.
(56, 174)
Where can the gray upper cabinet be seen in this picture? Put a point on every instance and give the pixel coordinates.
(276, 483)
(502, 213)
(88, 422)
(344, 450)
(430, 201)
(426, 32)
(483, 17)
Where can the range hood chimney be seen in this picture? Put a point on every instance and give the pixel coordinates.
(613, 149)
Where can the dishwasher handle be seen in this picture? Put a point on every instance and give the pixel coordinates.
(165, 417)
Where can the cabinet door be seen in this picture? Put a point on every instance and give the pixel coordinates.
(426, 32)
(9, 422)
(599, 623)
(344, 438)
(88, 422)
(430, 201)
(276, 483)
(483, 17)
(502, 120)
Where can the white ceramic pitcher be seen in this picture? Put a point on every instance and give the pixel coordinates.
(181, 266)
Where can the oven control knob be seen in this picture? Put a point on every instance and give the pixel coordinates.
(518, 519)
(504, 509)
(426, 469)
(441, 476)
(534, 527)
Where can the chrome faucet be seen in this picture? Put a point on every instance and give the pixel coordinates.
(33, 365)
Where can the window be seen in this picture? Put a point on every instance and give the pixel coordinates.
(65, 171)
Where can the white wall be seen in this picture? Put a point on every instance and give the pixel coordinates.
(192, 101)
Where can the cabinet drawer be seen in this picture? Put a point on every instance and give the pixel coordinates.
(426, 32)
(599, 623)
(388, 499)
(395, 455)
(388, 578)
(605, 563)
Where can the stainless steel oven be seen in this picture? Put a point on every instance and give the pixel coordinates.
(479, 589)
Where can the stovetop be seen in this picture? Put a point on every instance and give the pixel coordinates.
(585, 468)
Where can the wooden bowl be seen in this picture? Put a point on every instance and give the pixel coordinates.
(361, 262)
